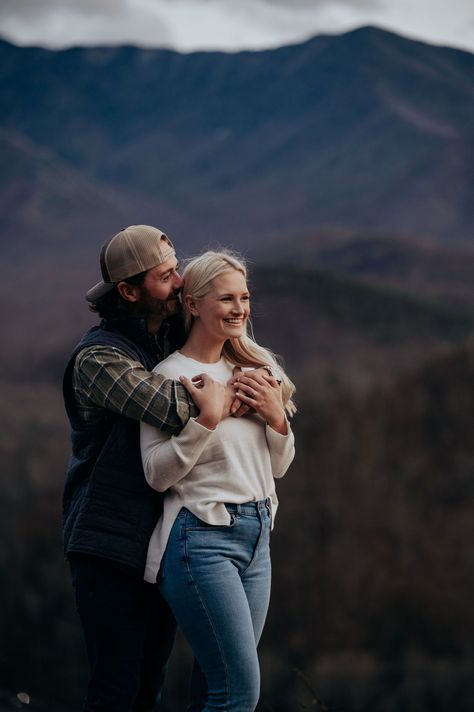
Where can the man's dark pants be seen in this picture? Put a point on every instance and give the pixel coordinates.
(129, 632)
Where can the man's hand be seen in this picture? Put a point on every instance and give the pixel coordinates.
(209, 396)
(255, 373)
(238, 409)
(232, 404)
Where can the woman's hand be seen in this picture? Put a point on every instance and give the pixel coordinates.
(239, 409)
(209, 396)
(263, 395)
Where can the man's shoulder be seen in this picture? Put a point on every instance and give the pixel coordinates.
(104, 339)
(101, 353)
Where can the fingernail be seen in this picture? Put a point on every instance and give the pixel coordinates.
(181, 378)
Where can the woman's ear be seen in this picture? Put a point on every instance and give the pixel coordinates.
(129, 292)
(190, 305)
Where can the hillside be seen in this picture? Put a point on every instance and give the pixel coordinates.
(319, 321)
(443, 273)
(372, 574)
(338, 329)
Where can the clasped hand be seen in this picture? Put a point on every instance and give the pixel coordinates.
(250, 391)
(262, 393)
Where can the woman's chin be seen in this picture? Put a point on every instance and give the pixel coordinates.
(234, 333)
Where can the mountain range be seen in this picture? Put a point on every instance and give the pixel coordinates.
(364, 131)
(346, 154)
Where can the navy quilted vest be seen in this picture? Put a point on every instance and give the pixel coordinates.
(108, 508)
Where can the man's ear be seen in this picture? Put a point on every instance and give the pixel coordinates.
(129, 292)
(191, 305)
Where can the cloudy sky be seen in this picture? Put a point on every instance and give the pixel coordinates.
(188, 25)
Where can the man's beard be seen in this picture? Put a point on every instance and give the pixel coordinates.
(150, 306)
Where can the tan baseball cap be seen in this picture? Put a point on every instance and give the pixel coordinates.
(133, 250)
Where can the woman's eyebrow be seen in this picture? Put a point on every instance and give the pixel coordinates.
(232, 294)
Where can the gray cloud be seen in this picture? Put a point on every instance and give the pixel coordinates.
(358, 4)
(187, 25)
(31, 9)
(292, 4)
(59, 23)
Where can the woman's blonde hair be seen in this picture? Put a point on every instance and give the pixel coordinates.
(198, 275)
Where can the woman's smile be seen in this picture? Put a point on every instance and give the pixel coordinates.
(224, 311)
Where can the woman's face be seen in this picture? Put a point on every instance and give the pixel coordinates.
(222, 314)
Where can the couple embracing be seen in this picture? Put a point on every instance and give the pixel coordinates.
(179, 426)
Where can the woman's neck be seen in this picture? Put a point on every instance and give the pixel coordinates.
(201, 348)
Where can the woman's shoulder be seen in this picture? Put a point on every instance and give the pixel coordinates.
(177, 365)
(171, 367)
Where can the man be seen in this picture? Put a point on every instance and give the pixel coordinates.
(109, 510)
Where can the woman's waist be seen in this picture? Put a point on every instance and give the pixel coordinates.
(227, 513)
(249, 508)
(218, 511)
(207, 497)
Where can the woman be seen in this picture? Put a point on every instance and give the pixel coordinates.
(211, 547)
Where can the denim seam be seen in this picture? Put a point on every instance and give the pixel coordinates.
(257, 547)
(209, 619)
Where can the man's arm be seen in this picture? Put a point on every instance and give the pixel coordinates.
(106, 377)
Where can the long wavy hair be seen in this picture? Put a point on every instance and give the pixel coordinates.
(198, 275)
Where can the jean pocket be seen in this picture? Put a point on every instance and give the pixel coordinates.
(193, 523)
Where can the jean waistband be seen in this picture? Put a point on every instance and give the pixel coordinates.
(250, 507)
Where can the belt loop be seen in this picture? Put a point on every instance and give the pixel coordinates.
(268, 505)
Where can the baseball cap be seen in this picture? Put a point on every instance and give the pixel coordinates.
(134, 249)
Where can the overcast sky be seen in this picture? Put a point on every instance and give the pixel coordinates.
(188, 25)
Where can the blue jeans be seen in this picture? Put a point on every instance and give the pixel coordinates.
(216, 580)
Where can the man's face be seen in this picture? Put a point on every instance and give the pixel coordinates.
(159, 291)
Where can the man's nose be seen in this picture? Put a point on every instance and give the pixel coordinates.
(177, 281)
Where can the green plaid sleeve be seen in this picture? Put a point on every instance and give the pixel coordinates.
(106, 377)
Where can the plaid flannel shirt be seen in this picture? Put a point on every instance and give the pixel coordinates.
(106, 377)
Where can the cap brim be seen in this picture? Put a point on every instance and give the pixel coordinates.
(100, 290)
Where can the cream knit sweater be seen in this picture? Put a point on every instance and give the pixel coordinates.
(202, 469)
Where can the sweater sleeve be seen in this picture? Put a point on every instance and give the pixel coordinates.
(167, 459)
(282, 450)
